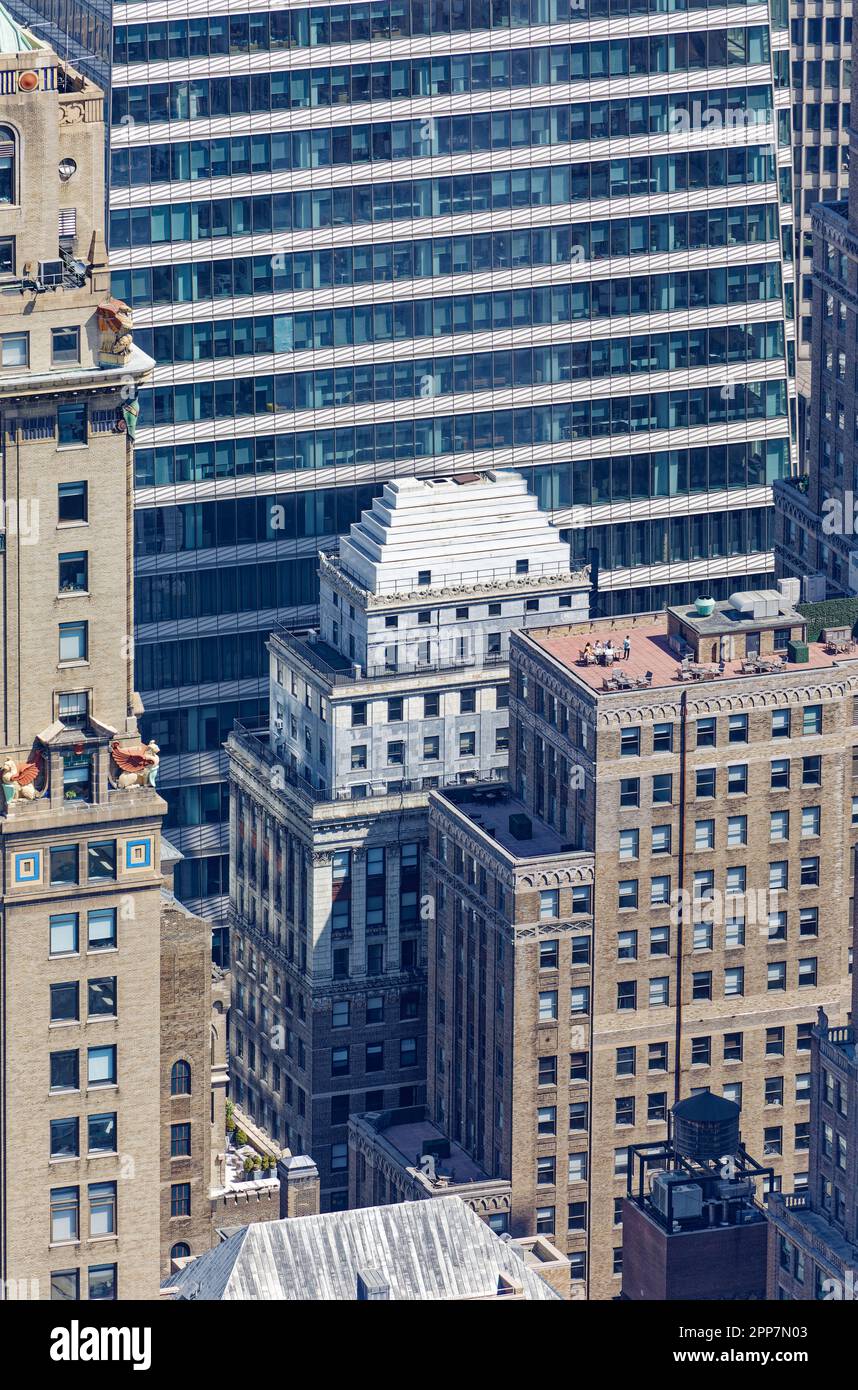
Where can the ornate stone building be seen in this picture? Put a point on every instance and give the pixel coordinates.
(402, 689)
(657, 905)
(80, 834)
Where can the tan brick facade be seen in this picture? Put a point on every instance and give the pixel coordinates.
(653, 994)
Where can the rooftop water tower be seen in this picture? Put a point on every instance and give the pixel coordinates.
(706, 1128)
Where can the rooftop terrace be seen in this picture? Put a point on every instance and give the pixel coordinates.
(654, 662)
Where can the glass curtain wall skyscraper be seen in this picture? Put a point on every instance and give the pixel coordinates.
(430, 238)
(821, 53)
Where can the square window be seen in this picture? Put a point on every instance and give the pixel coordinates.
(659, 892)
(704, 834)
(627, 894)
(779, 826)
(781, 723)
(625, 1061)
(706, 733)
(774, 1042)
(358, 756)
(662, 738)
(64, 864)
(549, 903)
(659, 992)
(65, 1006)
(630, 791)
(627, 995)
(545, 1170)
(101, 929)
(102, 1208)
(733, 1047)
(661, 839)
(101, 1066)
(624, 1110)
(629, 841)
(101, 860)
(101, 1133)
(546, 1119)
(627, 945)
(662, 789)
(630, 743)
(72, 502)
(577, 1216)
(657, 1057)
(63, 932)
(65, 1071)
(65, 346)
(547, 1071)
(659, 941)
(780, 774)
(65, 1214)
(71, 425)
(102, 997)
(74, 641)
(549, 955)
(705, 783)
(65, 1138)
(14, 349)
(547, 1005)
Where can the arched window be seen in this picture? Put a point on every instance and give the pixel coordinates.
(180, 1251)
(180, 1078)
(7, 165)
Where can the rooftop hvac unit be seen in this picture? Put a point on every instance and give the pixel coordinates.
(790, 591)
(51, 272)
(813, 588)
(672, 1194)
(756, 603)
(520, 826)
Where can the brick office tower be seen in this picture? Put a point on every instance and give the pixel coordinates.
(640, 915)
(813, 1235)
(403, 689)
(81, 886)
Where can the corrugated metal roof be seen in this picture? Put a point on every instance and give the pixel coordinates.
(437, 1249)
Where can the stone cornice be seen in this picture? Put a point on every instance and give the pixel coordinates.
(341, 579)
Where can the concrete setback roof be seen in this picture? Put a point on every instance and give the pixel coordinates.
(463, 530)
(14, 39)
(437, 1249)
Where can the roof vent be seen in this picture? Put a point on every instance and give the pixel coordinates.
(372, 1286)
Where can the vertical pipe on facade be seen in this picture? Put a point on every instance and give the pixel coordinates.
(680, 896)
